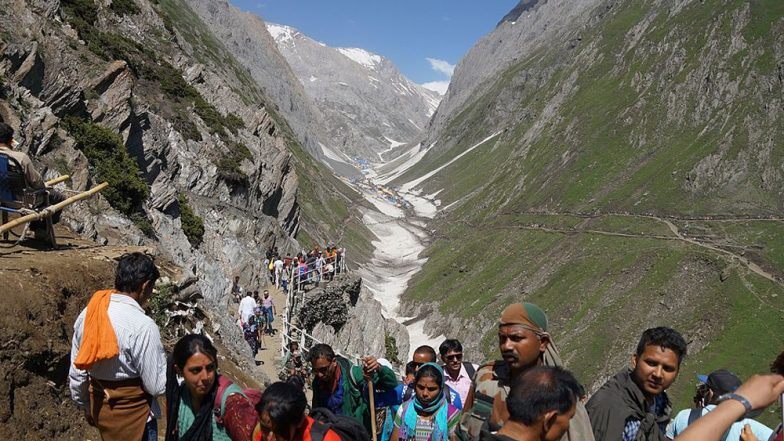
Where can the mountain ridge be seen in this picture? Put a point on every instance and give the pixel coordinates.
(368, 104)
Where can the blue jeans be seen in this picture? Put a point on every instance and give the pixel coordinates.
(151, 430)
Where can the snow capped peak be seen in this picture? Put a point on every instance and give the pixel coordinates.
(281, 33)
(361, 56)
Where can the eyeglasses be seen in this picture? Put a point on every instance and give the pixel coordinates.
(454, 357)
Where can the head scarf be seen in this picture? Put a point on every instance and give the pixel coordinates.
(201, 429)
(439, 406)
(533, 318)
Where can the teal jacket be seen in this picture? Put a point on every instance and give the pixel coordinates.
(354, 389)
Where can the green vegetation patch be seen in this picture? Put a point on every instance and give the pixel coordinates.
(229, 164)
(192, 225)
(148, 66)
(110, 162)
(124, 7)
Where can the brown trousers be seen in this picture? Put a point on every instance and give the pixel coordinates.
(119, 409)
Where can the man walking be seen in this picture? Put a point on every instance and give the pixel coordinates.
(118, 365)
(524, 343)
(633, 405)
(341, 387)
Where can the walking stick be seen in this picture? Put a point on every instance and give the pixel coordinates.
(371, 393)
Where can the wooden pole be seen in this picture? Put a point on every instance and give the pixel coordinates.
(57, 180)
(372, 394)
(49, 211)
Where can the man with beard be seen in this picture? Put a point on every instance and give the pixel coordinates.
(633, 405)
(524, 343)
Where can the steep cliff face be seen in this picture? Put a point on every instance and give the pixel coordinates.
(530, 25)
(191, 134)
(623, 169)
(369, 107)
(245, 36)
(200, 162)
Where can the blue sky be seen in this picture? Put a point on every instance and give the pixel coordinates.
(408, 32)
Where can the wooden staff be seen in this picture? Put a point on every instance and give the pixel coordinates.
(57, 180)
(49, 211)
(372, 394)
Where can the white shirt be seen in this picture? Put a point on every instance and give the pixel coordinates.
(247, 304)
(141, 351)
(279, 265)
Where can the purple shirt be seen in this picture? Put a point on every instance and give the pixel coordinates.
(267, 303)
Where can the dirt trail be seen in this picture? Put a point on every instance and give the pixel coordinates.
(751, 266)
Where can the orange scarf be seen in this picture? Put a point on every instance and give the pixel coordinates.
(99, 342)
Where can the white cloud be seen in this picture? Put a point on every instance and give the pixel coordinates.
(439, 87)
(442, 66)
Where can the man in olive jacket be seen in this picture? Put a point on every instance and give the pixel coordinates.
(633, 405)
(338, 385)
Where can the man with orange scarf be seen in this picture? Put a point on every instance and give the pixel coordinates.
(118, 365)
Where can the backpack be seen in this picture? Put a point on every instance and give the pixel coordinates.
(346, 427)
(219, 406)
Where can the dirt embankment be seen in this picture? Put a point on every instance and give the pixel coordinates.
(41, 293)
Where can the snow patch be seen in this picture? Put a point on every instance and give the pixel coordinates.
(281, 34)
(410, 185)
(361, 56)
(414, 155)
(312, 78)
(331, 154)
(393, 143)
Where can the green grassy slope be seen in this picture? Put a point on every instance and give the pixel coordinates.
(665, 112)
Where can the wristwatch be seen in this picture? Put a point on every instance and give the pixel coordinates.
(742, 400)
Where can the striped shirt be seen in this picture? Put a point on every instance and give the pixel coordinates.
(141, 351)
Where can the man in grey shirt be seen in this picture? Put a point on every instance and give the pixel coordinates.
(136, 373)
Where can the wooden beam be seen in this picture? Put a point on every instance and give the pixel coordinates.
(52, 209)
(57, 180)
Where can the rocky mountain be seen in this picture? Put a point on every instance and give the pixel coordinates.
(201, 163)
(369, 107)
(619, 163)
(245, 37)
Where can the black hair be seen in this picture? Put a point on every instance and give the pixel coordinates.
(297, 381)
(411, 368)
(778, 366)
(450, 345)
(6, 133)
(425, 349)
(321, 351)
(663, 337)
(190, 345)
(539, 390)
(429, 371)
(285, 403)
(133, 270)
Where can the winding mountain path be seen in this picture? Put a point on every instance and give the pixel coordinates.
(677, 234)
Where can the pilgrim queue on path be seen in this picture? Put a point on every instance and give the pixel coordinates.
(119, 368)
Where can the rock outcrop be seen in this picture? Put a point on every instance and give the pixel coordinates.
(345, 316)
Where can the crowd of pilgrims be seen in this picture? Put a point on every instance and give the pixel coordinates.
(119, 369)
